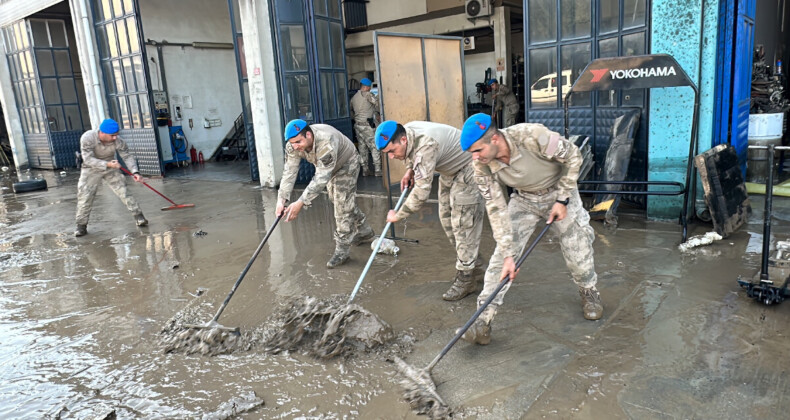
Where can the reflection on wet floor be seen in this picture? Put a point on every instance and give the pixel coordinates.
(80, 317)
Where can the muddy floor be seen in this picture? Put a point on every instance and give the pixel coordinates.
(80, 317)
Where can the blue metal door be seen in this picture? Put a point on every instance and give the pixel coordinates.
(734, 79)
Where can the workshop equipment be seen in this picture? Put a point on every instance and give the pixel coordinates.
(174, 205)
(770, 285)
(420, 391)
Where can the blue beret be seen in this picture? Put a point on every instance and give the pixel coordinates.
(474, 128)
(491, 82)
(366, 82)
(109, 126)
(294, 128)
(384, 133)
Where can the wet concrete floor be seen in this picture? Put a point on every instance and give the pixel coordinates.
(79, 317)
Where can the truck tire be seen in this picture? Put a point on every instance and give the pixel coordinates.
(30, 185)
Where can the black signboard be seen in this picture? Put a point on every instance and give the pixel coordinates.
(633, 72)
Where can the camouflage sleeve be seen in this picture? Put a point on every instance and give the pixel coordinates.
(496, 206)
(555, 147)
(373, 101)
(290, 172)
(123, 150)
(90, 160)
(325, 164)
(424, 164)
(504, 90)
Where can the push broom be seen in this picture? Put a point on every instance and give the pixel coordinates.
(174, 205)
(419, 389)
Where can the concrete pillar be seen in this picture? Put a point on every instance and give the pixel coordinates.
(85, 36)
(11, 115)
(264, 94)
(502, 47)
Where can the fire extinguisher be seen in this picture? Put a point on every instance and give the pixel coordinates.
(193, 154)
(200, 157)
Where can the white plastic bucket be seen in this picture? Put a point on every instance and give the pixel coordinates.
(765, 126)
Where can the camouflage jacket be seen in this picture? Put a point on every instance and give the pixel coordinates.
(96, 154)
(331, 151)
(431, 147)
(364, 105)
(539, 159)
(504, 98)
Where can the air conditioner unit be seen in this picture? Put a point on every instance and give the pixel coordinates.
(469, 43)
(478, 8)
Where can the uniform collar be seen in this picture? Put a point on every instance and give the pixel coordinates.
(411, 136)
(515, 154)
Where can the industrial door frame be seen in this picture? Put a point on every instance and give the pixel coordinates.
(640, 72)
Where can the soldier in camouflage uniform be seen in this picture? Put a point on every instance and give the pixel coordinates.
(427, 147)
(542, 167)
(336, 169)
(364, 107)
(505, 101)
(98, 149)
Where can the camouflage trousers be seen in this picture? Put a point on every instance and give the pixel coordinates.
(461, 210)
(342, 191)
(509, 114)
(367, 145)
(88, 185)
(576, 239)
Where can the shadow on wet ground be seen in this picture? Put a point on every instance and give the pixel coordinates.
(80, 317)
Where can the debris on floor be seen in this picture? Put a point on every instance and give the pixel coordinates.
(699, 240)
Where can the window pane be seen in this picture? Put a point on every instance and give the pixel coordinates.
(542, 21)
(40, 35)
(128, 7)
(68, 94)
(134, 42)
(633, 13)
(542, 70)
(139, 74)
(610, 16)
(117, 8)
(145, 110)
(39, 121)
(103, 10)
(107, 70)
(337, 44)
(634, 44)
(294, 49)
(32, 92)
(72, 114)
(26, 119)
(112, 40)
(607, 48)
(123, 108)
(328, 105)
(123, 41)
(50, 88)
(576, 18)
(574, 59)
(57, 33)
(341, 93)
(114, 111)
(23, 41)
(320, 7)
(21, 94)
(62, 62)
(297, 97)
(290, 11)
(30, 72)
(128, 75)
(134, 112)
(55, 118)
(117, 73)
(334, 8)
(322, 43)
(46, 67)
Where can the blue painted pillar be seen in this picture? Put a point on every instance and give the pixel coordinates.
(676, 28)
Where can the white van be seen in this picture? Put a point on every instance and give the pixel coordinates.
(545, 89)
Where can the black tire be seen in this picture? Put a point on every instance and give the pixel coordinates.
(30, 185)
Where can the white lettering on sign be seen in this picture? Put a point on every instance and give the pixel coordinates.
(638, 73)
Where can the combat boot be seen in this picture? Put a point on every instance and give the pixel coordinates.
(478, 333)
(378, 172)
(340, 256)
(82, 230)
(364, 234)
(140, 219)
(463, 285)
(591, 303)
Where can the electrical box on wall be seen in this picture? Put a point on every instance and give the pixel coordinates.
(469, 43)
(478, 8)
(161, 107)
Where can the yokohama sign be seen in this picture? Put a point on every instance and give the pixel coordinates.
(633, 73)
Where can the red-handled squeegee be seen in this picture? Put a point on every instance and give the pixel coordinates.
(174, 205)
